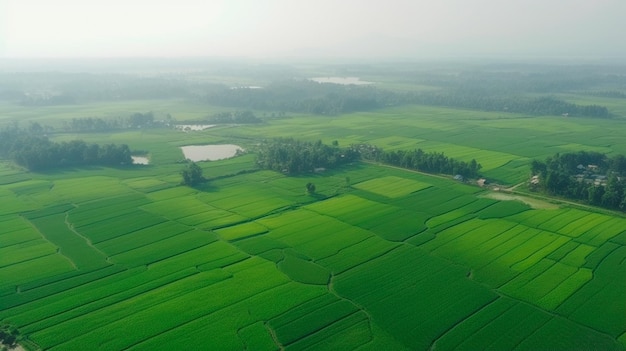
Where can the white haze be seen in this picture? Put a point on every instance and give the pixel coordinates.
(312, 28)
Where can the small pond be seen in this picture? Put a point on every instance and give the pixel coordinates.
(193, 127)
(140, 160)
(210, 152)
(341, 80)
(247, 87)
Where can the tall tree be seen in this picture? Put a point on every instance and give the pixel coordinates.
(310, 188)
(192, 174)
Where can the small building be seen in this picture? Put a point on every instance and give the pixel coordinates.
(458, 177)
(481, 182)
(534, 180)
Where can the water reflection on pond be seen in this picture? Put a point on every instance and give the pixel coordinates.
(210, 152)
(140, 160)
(193, 127)
(341, 80)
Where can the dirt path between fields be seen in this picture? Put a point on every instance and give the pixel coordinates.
(532, 202)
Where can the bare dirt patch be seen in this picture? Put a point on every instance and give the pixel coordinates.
(534, 203)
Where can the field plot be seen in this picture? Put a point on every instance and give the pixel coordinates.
(165, 248)
(147, 184)
(500, 250)
(30, 187)
(397, 142)
(314, 235)
(435, 200)
(248, 200)
(13, 274)
(378, 258)
(606, 285)
(191, 211)
(406, 285)
(392, 186)
(78, 190)
(241, 231)
(390, 222)
(11, 203)
(9, 173)
(127, 222)
(16, 230)
(71, 245)
(335, 272)
(590, 228)
(141, 238)
(488, 159)
(603, 232)
(22, 249)
(549, 286)
(509, 325)
(105, 208)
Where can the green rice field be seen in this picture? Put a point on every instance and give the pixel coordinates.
(378, 258)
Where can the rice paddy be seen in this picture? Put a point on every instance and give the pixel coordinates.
(379, 258)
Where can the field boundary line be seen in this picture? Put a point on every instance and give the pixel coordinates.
(114, 302)
(432, 345)
(272, 333)
(87, 241)
(58, 250)
(201, 316)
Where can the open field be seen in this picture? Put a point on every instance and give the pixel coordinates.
(379, 258)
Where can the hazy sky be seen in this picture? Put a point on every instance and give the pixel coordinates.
(312, 28)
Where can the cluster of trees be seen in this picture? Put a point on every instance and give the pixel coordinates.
(516, 79)
(9, 336)
(141, 120)
(503, 88)
(590, 177)
(607, 93)
(237, 117)
(293, 156)
(429, 162)
(97, 124)
(39, 153)
(92, 124)
(330, 99)
(192, 174)
(310, 188)
(46, 100)
(65, 88)
(305, 96)
(536, 106)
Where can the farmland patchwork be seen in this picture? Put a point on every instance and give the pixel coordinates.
(396, 260)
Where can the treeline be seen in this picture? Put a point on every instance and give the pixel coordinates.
(429, 162)
(590, 177)
(305, 96)
(136, 120)
(139, 120)
(39, 153)
(614, 94)
(294, 157)
(503, 88)
(537, 106)
(64, 88)
(237, 117)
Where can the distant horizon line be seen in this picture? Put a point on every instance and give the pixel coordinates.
(451, 57)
